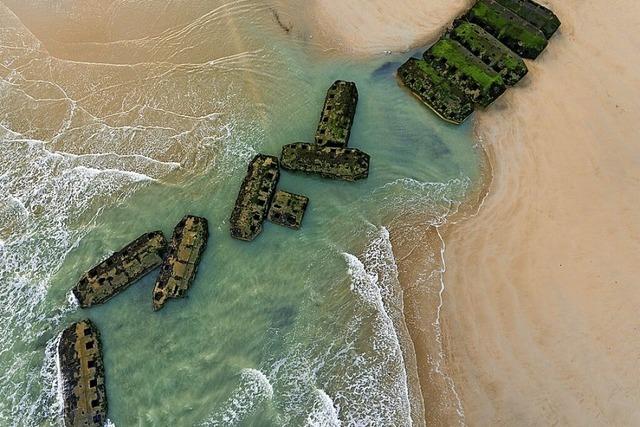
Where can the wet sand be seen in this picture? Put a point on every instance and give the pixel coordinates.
(539, 322)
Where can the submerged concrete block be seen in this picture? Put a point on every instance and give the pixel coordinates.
(287, 209)
(348, 164)
(254, 197)
(120, 270)
(337, 115)
(81, 374)
(180, 263)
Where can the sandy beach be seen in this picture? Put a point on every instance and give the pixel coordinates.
(541, 302)
(539, 320)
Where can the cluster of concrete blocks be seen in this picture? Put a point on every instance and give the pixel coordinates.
(471, 64)
(329, 157)
(259, 199)
(79, 349)
(80, 366)
(475, 61)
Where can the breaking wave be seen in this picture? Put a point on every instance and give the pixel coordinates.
(77, 137)
(254, 389)
(324, 412)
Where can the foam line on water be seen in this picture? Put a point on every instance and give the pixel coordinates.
(52, 193)
(333, 373)
(370, 282)
(324, 412)
(254, 389)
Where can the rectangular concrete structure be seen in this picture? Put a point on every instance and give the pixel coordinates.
(81, 375)
(348, 164)
(516, 33)
(536, 14)
(287, 209)
(463, 69)
(254, 197)
(180, 263)
(432, 88)
(489, 50)
(338, 112)
(120, 270)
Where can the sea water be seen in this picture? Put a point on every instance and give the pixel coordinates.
(119, 118)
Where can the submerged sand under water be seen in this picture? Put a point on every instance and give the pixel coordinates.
(120, 117)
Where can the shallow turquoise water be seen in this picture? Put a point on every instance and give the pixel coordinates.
(297, 327)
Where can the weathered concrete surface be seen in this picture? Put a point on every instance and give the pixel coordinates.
(81, 374)
(254, 197)
(536, 14)
(337, 115)
(462, 68)
(287, 209)
(180, 263)
(432, 88)
(120, 270)
(348, 164)
(516, 33)
(489, 50)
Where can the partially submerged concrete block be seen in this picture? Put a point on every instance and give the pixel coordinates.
(516, 33)
(432, 88)
(81, 374)
(348, 164)
(120, 270)
(536, 14)
(490, 51)
(180, 263)
(337, 115)
(287, 209)
(474, 78)
(254, 197)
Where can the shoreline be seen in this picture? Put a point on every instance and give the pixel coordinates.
(540, 313)
(419, 250)
(538, 305)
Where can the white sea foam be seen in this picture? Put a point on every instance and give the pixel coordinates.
(433, 202)
(324, 413)
(75, 138)
(46, 197)
(254, 389)
(353, 373)
(429, 205)
(381, 375)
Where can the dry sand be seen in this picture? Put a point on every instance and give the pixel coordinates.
(540, 319)
(376, 26)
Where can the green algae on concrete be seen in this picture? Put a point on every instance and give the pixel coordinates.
(81, 375)
(120, 270)
(180, 263)
(254, 198)
(536, 14)
(516, 33)
(348, 164)
(337, 115)
(432, 88)
(490, 51)
(476, 79)
(287, 209)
